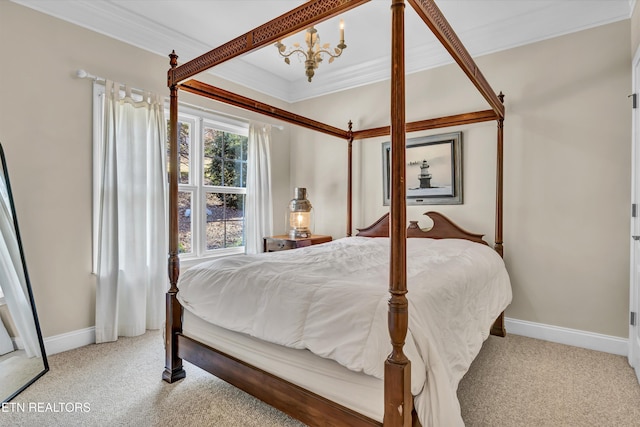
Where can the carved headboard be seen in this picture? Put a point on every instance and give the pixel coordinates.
(443, 228)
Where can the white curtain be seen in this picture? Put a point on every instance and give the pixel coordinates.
(258, 206)
(132, 234)
(12, 278)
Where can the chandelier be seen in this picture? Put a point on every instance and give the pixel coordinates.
(314, 51)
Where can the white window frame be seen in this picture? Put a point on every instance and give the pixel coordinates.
(199, 119)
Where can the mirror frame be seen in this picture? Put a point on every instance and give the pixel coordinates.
(32, 302)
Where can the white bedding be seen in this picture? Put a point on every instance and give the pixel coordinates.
(332, 300)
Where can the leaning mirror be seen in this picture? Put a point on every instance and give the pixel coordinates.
(22, 356)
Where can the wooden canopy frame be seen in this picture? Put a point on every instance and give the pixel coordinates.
(296, 401)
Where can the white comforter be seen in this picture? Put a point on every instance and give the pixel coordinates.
(332, 300)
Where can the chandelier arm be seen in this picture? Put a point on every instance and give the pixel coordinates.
(292, 52)
(328, 53)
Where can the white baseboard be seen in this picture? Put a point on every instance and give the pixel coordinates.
(70, 340)
(574, 337)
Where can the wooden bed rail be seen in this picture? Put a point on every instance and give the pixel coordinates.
(298, 19)
(440, 122)
(221, 95)
(435, 20)
(226, 97)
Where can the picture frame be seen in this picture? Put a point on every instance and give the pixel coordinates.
(433, 170)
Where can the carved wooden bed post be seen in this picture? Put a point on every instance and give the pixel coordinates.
(499, 180)
(173, 370)
(349, 179)
(398, 402)
(498, 328)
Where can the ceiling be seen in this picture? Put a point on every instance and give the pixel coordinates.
(193, 27)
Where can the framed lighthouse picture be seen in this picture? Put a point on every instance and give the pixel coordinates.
(433, 172)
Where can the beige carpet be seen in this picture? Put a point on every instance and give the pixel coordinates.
(515, 381)
(518, 381)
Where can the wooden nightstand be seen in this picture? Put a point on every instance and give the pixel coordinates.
(284, 242)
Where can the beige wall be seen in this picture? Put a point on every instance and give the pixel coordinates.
(567, 169)
(45, 129)
(635, 28)
(7, 321)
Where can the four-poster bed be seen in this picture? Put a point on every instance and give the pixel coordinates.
(273, 385)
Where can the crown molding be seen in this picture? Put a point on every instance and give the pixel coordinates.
(115, 21)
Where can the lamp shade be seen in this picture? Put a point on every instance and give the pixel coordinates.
(300, 211)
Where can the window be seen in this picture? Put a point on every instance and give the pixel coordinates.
(211, 184)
